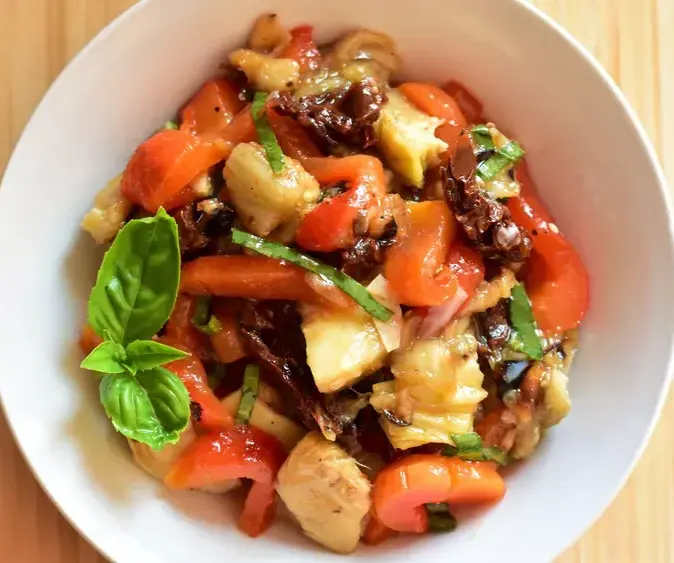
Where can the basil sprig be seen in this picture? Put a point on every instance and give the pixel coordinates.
(525, 337)
(134, 295)
(266, 134)
(499, 159)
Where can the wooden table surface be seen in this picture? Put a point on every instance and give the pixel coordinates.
(631, 38)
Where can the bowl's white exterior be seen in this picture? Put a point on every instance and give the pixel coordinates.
(590, 159)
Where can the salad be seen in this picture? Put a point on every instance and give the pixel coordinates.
(333, 289)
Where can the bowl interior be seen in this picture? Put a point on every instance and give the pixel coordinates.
(588, 159)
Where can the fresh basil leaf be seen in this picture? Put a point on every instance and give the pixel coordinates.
(251, 382)
(526, 338)
(132, 413)
(138, 280)
(266, 134)
(482, 137)
(107, 357)
(148, 354)
(169, 397)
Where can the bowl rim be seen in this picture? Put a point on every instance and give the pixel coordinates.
(107, 544)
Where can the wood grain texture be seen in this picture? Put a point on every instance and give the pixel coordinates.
(631, 38)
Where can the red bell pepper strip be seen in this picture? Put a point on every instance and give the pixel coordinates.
(415, 265)
(466, 264)
(165, 164)
(375, 531)
(402, 488)
(252, 277)
(433, 101)
(212, 108)
(330, 225)
(470, 106)
(557, 281)
(234, 453)
(229, 344)
(213, 414)
(294, 139)
(302, 48)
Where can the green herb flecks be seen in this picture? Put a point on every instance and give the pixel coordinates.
(469, 446)
(347, 284)
(500, 159)
(251, 382)
(203, 320)
(266, 134)
(525, 338)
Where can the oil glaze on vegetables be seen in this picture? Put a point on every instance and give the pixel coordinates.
(332, 289)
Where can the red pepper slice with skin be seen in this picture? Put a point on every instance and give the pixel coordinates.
(330, 225)
(212, 108)
(165, 164)
(251, 277)
(237, 452)
(415, 264)
(469, 105)
(402, 488)
(190, 370)
(302, 49)
(467, 265)
(557, 281)
(229, 344)
(294, 139)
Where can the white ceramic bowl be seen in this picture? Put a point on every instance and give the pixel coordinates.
(592, 163)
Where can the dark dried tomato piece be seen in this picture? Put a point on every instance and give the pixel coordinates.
(485, 221)
(344, 115)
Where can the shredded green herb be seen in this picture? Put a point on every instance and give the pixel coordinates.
(347, 284)
(266, 134)
(525, 339)
(502, 158)
(251, 382)
(482, 137)
(203, 320)
(469, 446)
(171, 125)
